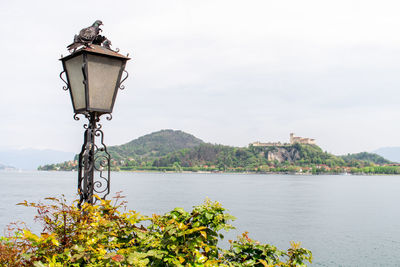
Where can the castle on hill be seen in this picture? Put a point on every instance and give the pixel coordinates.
(301, 140)
(293, 140)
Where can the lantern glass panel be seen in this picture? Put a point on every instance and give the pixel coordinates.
(103, 76)
(75, 76)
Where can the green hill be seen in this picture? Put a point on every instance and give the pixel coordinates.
(366, 157)
(154, 145)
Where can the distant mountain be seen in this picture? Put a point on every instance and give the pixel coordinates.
(366, 157)
(6, 168)
(155, 145)
(30, 159)
(391, 153)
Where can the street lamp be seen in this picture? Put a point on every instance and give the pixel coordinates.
(93, 77)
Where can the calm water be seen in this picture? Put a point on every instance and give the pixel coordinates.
(344, 220)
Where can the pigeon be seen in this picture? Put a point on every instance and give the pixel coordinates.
(99, 39)
(107, 44)
(102, 40)
(86, 36)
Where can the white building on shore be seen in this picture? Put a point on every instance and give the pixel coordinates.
(293, 140)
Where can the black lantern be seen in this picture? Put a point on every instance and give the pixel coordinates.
(93, 77)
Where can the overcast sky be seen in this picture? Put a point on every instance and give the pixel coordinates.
(229, 72)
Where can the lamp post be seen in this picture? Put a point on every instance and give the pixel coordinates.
(93, 77)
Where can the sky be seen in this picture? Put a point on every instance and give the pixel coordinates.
(229, 72)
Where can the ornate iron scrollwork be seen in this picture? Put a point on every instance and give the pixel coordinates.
(102, 165)
(122, 87)
(76, 117)
(65, 88)
(94, 163)
(109, 116)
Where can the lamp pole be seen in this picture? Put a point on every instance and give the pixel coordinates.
(93, 75)
(90, 155)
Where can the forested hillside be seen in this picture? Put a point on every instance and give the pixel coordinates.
(226, 157)
(365, 157)
(170, 150)
(154, 145)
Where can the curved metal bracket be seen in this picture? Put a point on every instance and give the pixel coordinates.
(76, 117)
(122, 87)
(108, 116)
(65, 88)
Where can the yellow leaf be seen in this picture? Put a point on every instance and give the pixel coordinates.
(25, 203)
(181, 226)
(295, 245)
(55, 242)
(29, 235)
(181, 260)
(44, 235)
(264, 263)
(202, 259)
(204, 234)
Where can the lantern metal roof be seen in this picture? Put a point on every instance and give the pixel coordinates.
(96, 49)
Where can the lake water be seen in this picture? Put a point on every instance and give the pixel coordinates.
(344, 220)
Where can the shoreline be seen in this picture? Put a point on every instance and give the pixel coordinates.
(245, 172)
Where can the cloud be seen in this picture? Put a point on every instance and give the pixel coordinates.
(228, 71)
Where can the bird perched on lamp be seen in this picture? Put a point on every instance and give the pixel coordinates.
(102, 40)
(86, 36)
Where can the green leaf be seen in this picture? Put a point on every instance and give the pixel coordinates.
(209, 215)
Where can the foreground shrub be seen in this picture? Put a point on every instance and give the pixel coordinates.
(108, 234)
